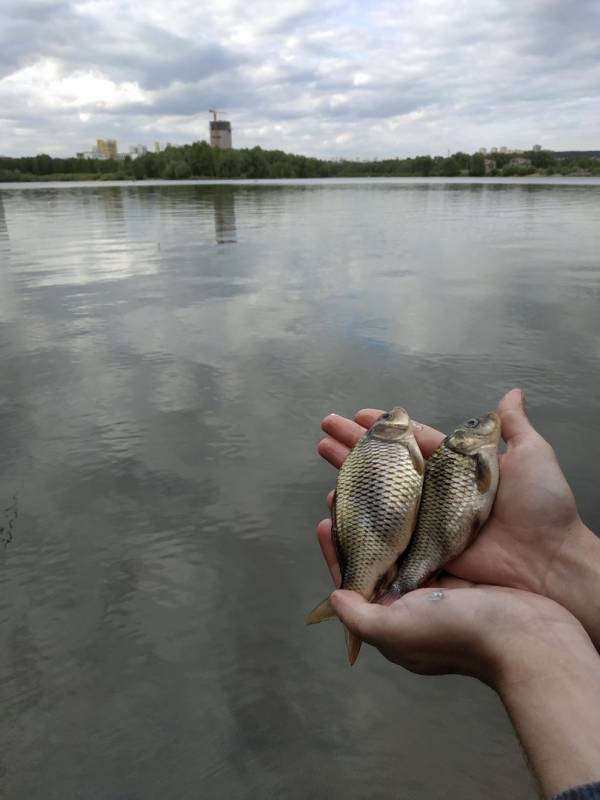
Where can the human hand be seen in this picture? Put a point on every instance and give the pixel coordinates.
(533, 652)
(453, 626)
(534, 538)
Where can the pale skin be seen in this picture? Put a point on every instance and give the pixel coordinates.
(521, 607)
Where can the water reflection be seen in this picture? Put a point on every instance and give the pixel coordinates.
(112, 201)
(224, 210)
(3, 226)
(159, 404)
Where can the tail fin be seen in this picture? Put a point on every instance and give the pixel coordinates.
(322, 612)
(353, 644)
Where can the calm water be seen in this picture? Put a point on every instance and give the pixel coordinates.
(166, 355)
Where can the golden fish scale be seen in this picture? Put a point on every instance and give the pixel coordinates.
(377, 495)
(447, 517)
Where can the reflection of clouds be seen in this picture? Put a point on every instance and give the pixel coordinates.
(169, 390)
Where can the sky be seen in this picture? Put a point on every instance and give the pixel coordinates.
(350, 79)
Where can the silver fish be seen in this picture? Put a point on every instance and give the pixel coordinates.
(375, 509)
(461, 479)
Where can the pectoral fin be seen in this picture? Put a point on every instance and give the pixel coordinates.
(483, 474)
(417, 457)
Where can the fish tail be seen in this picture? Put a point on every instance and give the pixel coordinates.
(322, 612)
(353, 644)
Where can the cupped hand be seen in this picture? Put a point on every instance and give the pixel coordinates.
(533, 515)
(452, 626)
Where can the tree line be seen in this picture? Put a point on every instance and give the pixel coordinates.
(200, 160)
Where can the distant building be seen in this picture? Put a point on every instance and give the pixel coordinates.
(157, 147)
(523, 163)
(483, 150)
(107, 147)
(91, 154)
(504, 149)
(494, 149)
(220, 132)
(136, 150)
(490, 165)
(536, 148)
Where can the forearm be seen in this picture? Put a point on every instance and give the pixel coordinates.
(551, 691)
(574, 579)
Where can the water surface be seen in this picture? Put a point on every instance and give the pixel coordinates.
(166, 354)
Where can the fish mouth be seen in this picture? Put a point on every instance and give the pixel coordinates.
(398, 417)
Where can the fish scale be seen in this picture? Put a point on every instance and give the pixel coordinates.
(375, 488)
(458, 493)
(374, 510)
(375, 494)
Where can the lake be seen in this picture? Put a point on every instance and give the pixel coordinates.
(167, 352)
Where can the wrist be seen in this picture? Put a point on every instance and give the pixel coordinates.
(573, 578)
(546, 653)
(550, 690)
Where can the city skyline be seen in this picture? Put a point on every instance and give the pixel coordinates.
(326, 79)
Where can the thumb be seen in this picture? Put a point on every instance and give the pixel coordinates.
(513, 416)
(363, 619)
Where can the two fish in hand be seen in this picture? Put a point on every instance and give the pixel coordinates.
(397, 520)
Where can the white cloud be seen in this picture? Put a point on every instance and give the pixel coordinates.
(379, 79)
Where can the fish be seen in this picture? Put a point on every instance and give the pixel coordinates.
(374, 510)
(461, 479)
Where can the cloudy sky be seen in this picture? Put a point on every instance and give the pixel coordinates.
(321, 77)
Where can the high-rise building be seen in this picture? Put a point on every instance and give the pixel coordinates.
(136, 150)
(536, 148)
(157, 147)
(220, 132)
(107, 147)
(483, 150)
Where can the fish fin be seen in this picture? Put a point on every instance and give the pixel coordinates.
(353, 644)
(417, 457)
(322, 612)
(334, 534)
(483, 474)
(393, 592)
(475, 527)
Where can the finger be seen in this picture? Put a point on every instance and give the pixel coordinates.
(367, 416)
(427, 438)
(511, 410)
(344, 430)
(328, 550)
(366, 620)
(330, 496)
(334, 452)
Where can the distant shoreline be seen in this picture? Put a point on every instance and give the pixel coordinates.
(199, 161)
(100, 179)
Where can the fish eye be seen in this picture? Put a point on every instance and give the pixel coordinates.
(471, 423)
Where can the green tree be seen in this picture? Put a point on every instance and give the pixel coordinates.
(477, 165)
